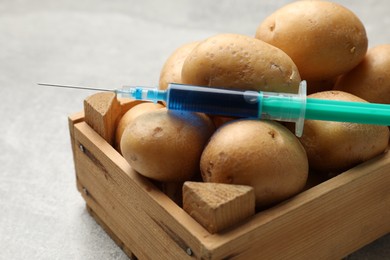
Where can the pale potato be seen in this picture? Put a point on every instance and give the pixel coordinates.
(240, 62)
(166, 145)
(129, 116)
(370, 80)
(261, 154)
(333, 147)
(323, 38)
(171, 71)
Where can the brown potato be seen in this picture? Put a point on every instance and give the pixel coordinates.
(166, 145)
(261, 154)
(333, 147)
(171, 71)
(129, 116)
(370, 80)
(324, 39)
(240, 62)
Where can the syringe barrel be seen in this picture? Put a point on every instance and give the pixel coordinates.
(238, 103)
(216, 101)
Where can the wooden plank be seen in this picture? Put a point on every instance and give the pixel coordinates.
(72, 120)
(127, 205)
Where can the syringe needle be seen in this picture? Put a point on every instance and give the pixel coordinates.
(74, 87)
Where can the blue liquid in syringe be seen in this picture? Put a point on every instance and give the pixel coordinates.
(214, 101)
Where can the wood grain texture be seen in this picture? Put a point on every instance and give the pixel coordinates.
(101, 113)
(217, 206)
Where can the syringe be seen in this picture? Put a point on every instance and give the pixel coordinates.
(252, 104)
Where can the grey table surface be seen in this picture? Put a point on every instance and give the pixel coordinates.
(103, 44)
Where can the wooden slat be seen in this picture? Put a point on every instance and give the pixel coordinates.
(126, 202)
(72, 120)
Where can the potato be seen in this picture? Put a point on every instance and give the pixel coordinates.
(370, 80)
(171, 71)
(129, 116)
(333, 147)
(324, 39)
(166, 145)
(240, 62)
(261, 154)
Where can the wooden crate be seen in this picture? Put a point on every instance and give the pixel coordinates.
(327, 221)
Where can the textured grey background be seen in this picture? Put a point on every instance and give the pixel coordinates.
(102, 44)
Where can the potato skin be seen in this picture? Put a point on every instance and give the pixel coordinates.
(166, 145)
(171, 70)
(324, 39)
(333, 147)
(129, 116)
(240, 62)
(261, 154)
(370, 80)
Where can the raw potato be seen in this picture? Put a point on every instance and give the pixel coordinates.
(370, 80)
(324, 39)
(240, 62)
(166, 145)
(171, 71)
(261, 154)
(129, 116)
(333, 147)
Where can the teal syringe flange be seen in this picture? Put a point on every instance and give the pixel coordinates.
(285, 107)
